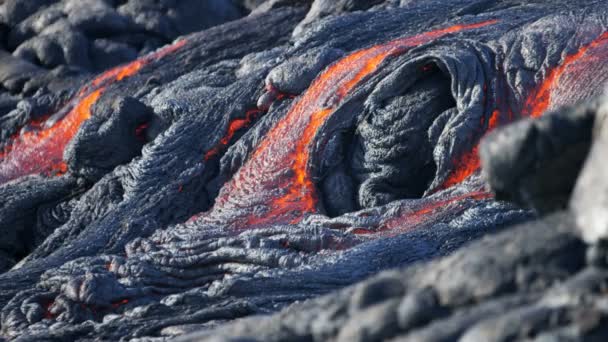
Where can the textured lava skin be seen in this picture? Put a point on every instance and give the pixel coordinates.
(272, 159)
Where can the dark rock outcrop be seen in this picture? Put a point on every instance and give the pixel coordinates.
(296, 152)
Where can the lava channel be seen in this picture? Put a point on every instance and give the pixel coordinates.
(469, 163)
(40, 149)
(274, 185)
(579, 70)
(565, 84)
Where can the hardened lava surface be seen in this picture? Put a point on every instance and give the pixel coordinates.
(167, 167)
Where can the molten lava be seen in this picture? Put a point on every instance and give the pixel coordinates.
(541, 99)
(287, 146)
(469, 163)
(40, 150)
(234, 126)
(580, 69)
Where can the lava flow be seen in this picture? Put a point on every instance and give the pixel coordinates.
(582, 62)
(582, 69)
(234, 126)
(426, 213)
(469, 163)
(40, 150)
(279, 166)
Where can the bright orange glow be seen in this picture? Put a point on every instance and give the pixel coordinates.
(234, 126)
(493, 122)
(538, 102)
(464, 167)
(40, 150)
(288, 144)
(541, 98)
(469, 163)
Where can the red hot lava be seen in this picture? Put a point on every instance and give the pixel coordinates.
(584, 65)
(250, 117)
(40, 150)
(279, 165)
(233, 127)
(586, 69)
(469, 163)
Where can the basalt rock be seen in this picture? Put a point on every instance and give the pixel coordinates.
(536, 281)
(93, 35)
(536, 162)
(289, 154)
(529, 282)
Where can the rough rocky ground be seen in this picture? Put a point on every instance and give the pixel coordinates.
(537, 281)
(286, 150)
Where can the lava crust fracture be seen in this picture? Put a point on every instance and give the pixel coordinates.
(168, 167)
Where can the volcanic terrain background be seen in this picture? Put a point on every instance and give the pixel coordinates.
(319, 170)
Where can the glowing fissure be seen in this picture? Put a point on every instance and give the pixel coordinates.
(540, 99)
(40, 149)
(233, 127)
(251, 116)
(469, 163)
(236, 125)
(538, 102)
(289, 142)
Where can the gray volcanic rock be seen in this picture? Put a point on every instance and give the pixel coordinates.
(94, 35)
(536, 281)
(536, 162)
(15, 72)
(530, 278)
(589, 199)
(294, 153)
(295, 75)
(324, 8)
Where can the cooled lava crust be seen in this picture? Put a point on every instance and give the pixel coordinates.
(266, 155)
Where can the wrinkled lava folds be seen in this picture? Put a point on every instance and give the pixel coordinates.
(39, 150)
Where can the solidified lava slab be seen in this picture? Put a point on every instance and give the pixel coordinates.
(270, 159)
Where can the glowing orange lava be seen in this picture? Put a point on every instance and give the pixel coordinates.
(469, 163)
(234, 126)
(540, 100)
(40, 150)
(288, 143)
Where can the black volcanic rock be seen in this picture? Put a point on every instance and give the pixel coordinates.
(94, 35)
(530, 278)
(293, 154)
(536, 281)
